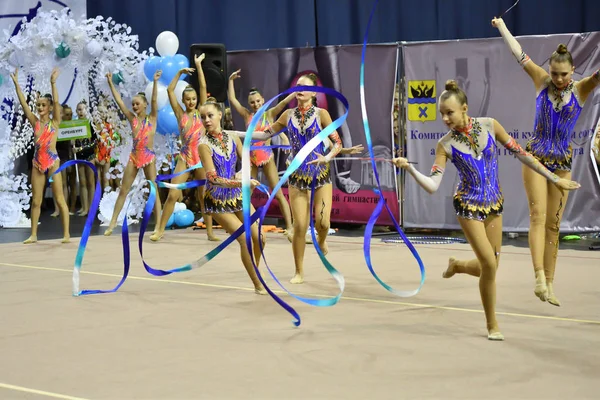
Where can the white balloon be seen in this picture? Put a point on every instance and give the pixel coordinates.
(94, 48)
(161, 94)
(179, 207)
(167, 43)
(181, 85)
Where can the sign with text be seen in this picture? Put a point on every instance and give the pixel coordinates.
(75, 129)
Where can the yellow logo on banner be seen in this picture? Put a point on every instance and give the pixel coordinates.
(421, 101)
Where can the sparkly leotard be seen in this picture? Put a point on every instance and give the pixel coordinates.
(260, 157)
(141, 155)
(218, 199)
(556, 113)
(43, 157)
(190, 138)
(105, 143)
(302, 127)
(475, 156)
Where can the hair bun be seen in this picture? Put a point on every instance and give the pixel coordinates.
(562, 49)
(451, 84)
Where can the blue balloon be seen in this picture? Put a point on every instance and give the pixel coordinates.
(151, 65)
(182, 62)
(184, 218)
(171, 221)
(169, 69)
(167, 121)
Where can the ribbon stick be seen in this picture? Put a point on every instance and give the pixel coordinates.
(511, 7)
(381, 203)
(294, 165)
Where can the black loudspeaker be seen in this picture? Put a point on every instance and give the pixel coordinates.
(214, 67)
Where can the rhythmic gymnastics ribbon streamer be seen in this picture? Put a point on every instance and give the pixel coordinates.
(86, 234)
(381, 203)
(294, 165)
(148, 211)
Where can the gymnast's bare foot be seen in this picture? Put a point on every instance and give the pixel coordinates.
(108, 232)
(297, 279)
(66, 239)
(449, 272)
(30, 239)
(156, 236)
(495, 335)
(324, 247)
(551, 297)
(213, 238)
(541, 289)
(260, 290)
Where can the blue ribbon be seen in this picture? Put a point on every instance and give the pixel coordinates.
(381, 203)
(294, 165)
(180, 186)
(86, 234)
(148, 211)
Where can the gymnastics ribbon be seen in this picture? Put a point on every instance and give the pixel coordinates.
(86, 233)
(180, 186)
(294, 165)
(148, 211)
(381, 203)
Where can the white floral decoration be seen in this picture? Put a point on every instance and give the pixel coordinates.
(97, 46)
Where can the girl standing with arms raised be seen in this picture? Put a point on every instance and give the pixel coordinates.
(559, 101)
(45, 158)
(143, 129)
(263, 158)
(191, 128)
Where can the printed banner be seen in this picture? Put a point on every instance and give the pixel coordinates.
(496, 87)
(337, 67)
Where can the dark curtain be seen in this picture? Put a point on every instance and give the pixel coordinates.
(263, 24)
(345, 21)
(239, 24)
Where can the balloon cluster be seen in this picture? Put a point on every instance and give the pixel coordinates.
(181, 217)
(169, 63)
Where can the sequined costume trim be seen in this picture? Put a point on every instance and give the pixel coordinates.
(303, 125)
(218, 199)
(556, 114)
(475, 155)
